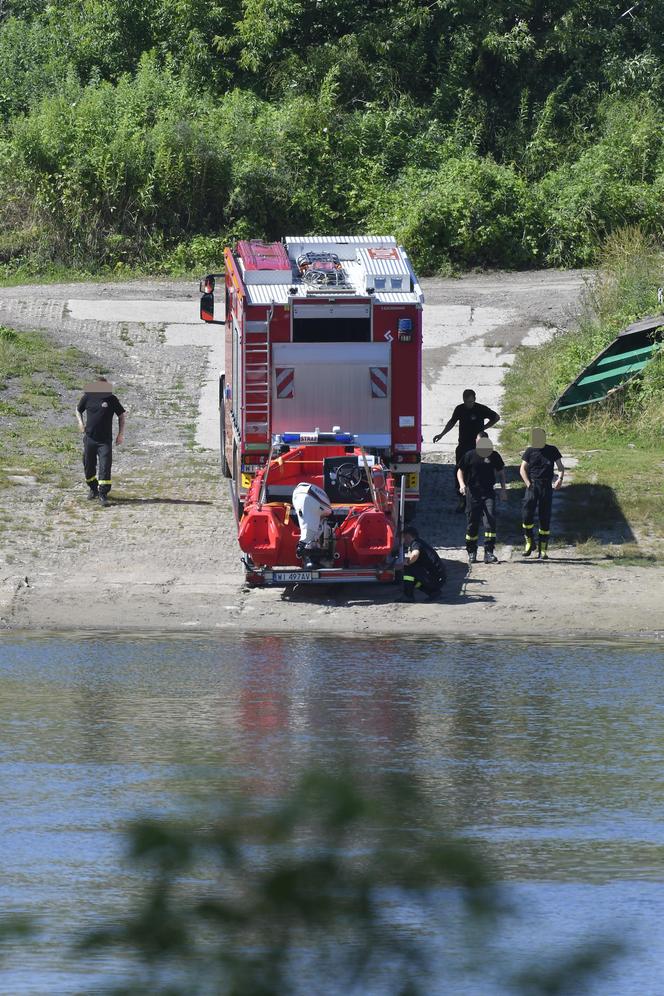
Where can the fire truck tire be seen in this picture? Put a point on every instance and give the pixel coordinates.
(410, 511)
(225, 469)
(235, 486)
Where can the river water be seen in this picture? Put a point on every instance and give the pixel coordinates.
(551, 756)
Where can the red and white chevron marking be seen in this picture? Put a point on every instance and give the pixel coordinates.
(379, 381)
(285, 377)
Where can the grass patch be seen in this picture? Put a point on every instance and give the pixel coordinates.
(618, 485)
(35, 272)
(617, 494)
(36, 378)
(31, 359)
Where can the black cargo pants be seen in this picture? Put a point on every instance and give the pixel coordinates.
(97, 478)
(422, 576)
(537, 498)
(480, 507)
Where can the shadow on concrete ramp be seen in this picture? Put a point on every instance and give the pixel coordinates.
(580, 512)
(158, 501)
(591, 511)
(436, 517)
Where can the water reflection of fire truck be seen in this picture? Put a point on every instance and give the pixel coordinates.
(323, 348)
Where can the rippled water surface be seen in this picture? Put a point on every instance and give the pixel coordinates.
(551, 755)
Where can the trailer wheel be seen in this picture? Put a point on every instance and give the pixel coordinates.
(225, 469)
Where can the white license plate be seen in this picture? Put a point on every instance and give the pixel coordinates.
(295, 576)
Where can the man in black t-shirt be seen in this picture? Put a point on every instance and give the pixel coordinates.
(100, 405)
(477, 478)
(472, 419)
(536, 471)
(424, 569)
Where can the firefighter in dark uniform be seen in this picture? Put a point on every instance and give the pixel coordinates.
(100, 405)
(472, 419)
(477, 478)
(536, 471)
(423, 568)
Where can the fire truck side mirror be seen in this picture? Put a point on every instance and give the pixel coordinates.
(207, 308)
(206, 285)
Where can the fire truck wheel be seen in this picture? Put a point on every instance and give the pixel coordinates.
(225, 469)
(410, 510)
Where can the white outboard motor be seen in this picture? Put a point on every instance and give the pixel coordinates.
(312, 507)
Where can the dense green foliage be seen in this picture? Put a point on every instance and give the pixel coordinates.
(481, 134)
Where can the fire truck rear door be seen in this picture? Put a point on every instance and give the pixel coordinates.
(326, 384)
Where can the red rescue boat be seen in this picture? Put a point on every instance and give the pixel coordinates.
(321, 513)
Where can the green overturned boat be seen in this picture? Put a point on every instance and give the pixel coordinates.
(619, 363)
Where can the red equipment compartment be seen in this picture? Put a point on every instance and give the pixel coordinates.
(407, 360)
(263, 255)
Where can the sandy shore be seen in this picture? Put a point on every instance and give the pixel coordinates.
(560, 599)
(165, 558)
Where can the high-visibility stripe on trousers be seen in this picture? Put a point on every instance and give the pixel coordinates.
(419, 576)
(480, 507)
(537, 499)
(94, 454)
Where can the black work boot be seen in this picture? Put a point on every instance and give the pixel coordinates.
(103, 500)
(472, 555)
(92, 494)
(408, 593)
(489, 555)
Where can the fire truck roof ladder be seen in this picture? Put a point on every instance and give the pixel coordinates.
(257, 378)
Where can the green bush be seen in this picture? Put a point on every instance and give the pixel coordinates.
(614, 183)
(468, 212)
(480, 137)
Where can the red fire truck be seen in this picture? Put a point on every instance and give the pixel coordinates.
(323, 341)
(319, 332)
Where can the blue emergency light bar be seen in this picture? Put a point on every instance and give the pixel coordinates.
(292, 438)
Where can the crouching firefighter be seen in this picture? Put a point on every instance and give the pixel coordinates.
(536, 471)
(423, 567)
(477, 479)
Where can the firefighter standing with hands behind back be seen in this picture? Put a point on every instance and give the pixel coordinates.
(536, 472)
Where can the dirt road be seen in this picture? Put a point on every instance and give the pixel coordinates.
(165, 556)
